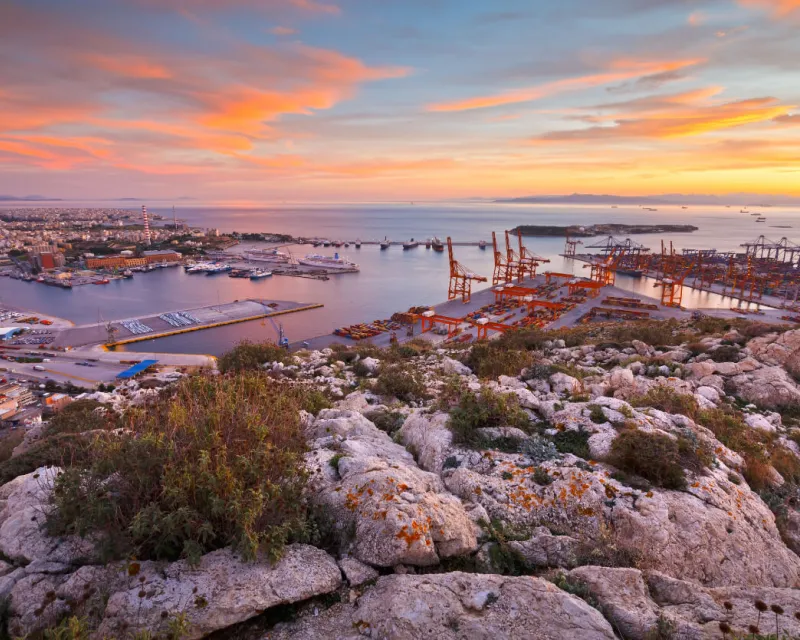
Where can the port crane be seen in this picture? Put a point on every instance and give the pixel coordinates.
(515, 267)
(502, 269)
(461, 278)
(283, 341)
(528, 261)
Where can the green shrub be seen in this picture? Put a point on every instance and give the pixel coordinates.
(668, 400)
(489, 409)
(387, 421)
(652, 332)
(653, 456)
(731, 430)
(80, 416)
(538, 371)
(249, 356)
(488, 360)
(541, 477)
(725, 353)
(9, 441)
(574, 442)
(596, 414)
(218, 463)
(62, 450)
(539, 449)
(401, 382)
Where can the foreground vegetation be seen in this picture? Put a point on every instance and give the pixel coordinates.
(216, 463)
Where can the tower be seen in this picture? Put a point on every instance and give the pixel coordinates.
(147, 238)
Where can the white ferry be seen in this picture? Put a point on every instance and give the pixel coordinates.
(266, 255)
(330, 263)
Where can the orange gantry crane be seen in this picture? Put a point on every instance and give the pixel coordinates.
(569, 247)
(527, 261)
(461, 278)
(604, 269)
(503, 271)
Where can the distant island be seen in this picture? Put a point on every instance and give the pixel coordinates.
(586, 231)
(732, 199)
(5, 198)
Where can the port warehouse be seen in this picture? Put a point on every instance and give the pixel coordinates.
(6, 333)
(122, 261)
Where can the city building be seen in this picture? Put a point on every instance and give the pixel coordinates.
(57, 401)
(6, 333)
(48, 260)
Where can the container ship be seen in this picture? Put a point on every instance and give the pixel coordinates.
(266, 255)
(334, 263)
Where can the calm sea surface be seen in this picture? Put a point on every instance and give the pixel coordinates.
(389, 280)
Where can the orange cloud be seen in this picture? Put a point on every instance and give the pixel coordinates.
(282, 31)
(622, 69)
(778, 8)
(127, 66)
(696, 18)
(678, 117)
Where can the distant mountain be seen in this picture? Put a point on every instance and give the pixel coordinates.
(28, 199)
(585, 198)
(737, 199)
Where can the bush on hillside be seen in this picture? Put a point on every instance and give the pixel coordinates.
(64, 450)
(668, 400)
(652, 456)
(574, 442)
(401, 382)
(217, 463)
(488, 360)
(651, 332)
(250, 356)
(489, 409)
(81, 416)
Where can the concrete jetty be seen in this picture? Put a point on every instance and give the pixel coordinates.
(171, 323)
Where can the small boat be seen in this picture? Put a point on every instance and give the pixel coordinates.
(428, 243)
(346, 244)
(102, 281)
(761, 219)
(239, 273)
(127, 273)
(411, 244)
(358, 243)
(257, 274)
(385, 243)
(218, 268)
(482, 244)
(326, 243)
(743, 211)
(437, 245)
(684, 207)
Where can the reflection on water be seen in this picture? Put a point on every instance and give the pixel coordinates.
(389, 280)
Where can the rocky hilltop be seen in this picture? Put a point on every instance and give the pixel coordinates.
(629, 481)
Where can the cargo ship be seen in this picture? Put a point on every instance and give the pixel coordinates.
(334, 263)
(412, 244)
(437, 245)
(266, 255)
(385, 243)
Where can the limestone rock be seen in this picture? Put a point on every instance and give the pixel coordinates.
(450, 366)
(775, 349)
(357, 573)
(543, 549)
(561, 383)
(623, 596)
(25, 504)
(769, 387)
(221, 591)
(428, 436)
(453, 606)
(383, 507)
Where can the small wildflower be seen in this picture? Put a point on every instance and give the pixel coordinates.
(725, 628)
(142, 578)
(753, 629)
(761, 605)
(728, 605)
(142, 593)
(133, 568)
(797, 614)
(164, 614)
(777, 609)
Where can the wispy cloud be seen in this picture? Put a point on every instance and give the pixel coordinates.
(282, 31)
(622, 69)
(778, 8)
(674, 116)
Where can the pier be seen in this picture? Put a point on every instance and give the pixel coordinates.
(170, 323)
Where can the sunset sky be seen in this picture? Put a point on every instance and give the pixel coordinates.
(356, 100)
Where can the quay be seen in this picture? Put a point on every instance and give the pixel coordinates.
(177, 322)
(606, 302)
